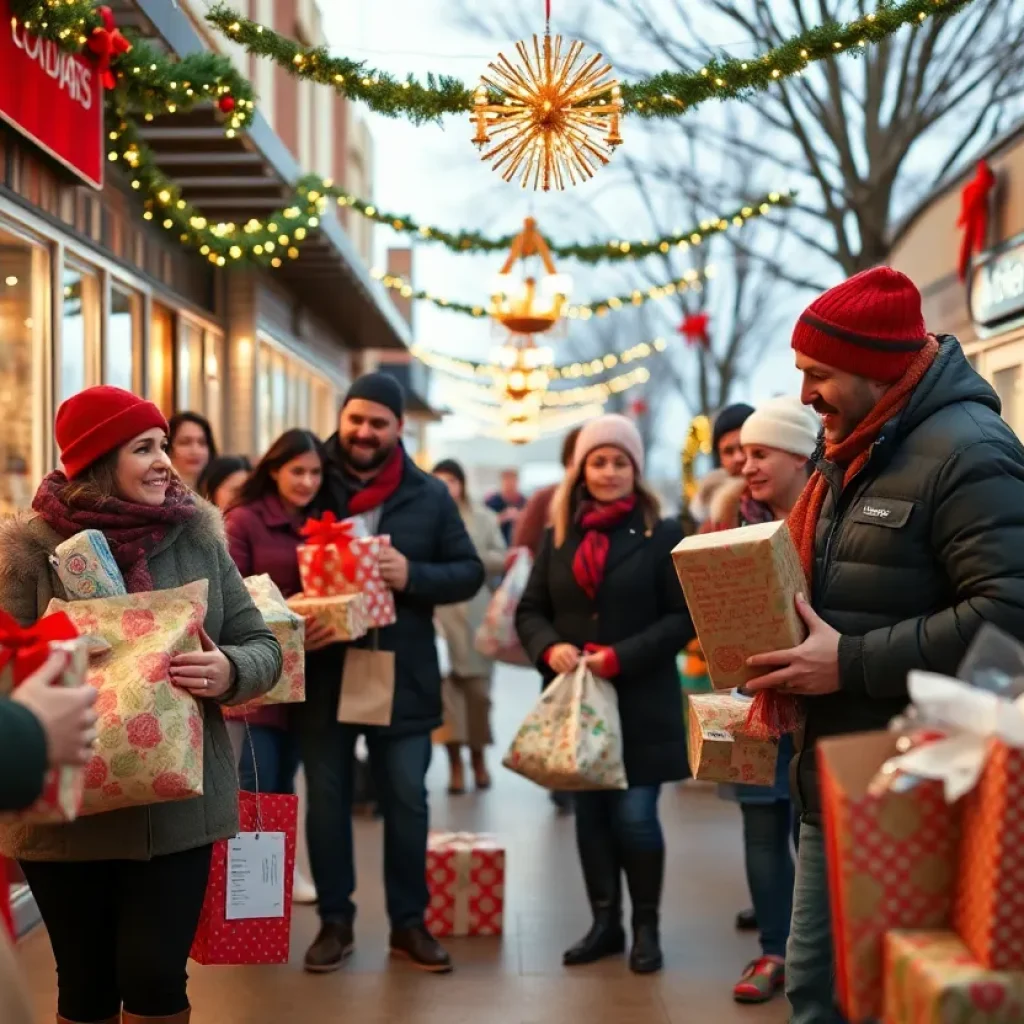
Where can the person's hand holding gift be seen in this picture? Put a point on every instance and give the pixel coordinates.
(319, 634)
(808, 670)
(206, 673)
(394, 568)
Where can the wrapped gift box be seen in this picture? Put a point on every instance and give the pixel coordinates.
(741, 587)
(150, 732)
(989, 905)
(290, 629)
(466, 880)
(891, 857)
(717, 748)
(86, 567)
(931, 978)
(346, 614)
(22, 651)
(256, 940)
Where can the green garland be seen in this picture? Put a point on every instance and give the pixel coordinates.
(667, 94)
(584, 252)
(692, 279)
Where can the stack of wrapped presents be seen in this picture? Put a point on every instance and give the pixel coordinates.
(924, 828)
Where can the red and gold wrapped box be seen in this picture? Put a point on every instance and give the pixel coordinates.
(22, 652)
(989, 904)
(466, 879)
(891, 861)
(931, 978)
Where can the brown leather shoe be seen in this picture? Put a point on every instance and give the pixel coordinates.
(331, 948)
(175, 1018)
(419, 946)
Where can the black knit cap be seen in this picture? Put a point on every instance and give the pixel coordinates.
(731, 418)
(381, 388)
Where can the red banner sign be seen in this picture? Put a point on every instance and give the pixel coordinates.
(53, 98)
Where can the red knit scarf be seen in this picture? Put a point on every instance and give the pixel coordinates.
(591, 556)
(774, 713)
(132, 530)
(381, 487)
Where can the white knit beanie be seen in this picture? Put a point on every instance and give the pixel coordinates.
(610, 429)
(783, 423)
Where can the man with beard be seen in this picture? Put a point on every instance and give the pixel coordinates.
(431, 561)
(909, 533)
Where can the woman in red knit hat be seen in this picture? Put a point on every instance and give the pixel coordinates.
(121, 893)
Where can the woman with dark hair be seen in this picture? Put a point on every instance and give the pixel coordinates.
(467, 690)
(191, 446)
(222, 481)
(603, 591)
(121, 893)
(263, 533)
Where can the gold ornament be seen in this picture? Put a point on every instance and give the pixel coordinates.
(559, 120)
(526, 305)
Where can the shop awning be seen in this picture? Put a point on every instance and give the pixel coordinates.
(251, 176)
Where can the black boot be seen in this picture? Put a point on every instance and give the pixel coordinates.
(602, 875)
(645, 870)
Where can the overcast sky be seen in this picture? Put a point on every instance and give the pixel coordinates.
(434, 174)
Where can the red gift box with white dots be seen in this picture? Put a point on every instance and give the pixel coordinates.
(261, 940)
(466, 880)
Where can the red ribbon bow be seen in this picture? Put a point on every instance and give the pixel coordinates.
(322, 533)
(105, 44)
(27, 649)
(973, 219)
(695, 329)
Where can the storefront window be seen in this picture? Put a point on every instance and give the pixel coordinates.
(24, 290)
(1007, 386)
(292, 393)
(79, 329)
(191, 368)
(121, 332)
(161, 358)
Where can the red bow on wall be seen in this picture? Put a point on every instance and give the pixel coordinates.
(638, 407)
(27, 649)
(973, 220)
(105, 44)
(695, 329)
(320, 533)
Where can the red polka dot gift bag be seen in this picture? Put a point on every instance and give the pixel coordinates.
(247, 912)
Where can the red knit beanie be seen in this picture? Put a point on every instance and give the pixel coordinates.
(98, 420)
(870, 325)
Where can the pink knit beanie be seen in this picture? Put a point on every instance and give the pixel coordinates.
(614, 430)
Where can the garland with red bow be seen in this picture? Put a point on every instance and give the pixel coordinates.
(105, 43)
(24, 650)
(695, 328)
(329, 533)
(973, 219)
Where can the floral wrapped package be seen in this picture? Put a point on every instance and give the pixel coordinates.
(290, 630)
(572, 739)
(718, 749)
(22, 651)
(931, 978)
(150, 745)
(86, 567)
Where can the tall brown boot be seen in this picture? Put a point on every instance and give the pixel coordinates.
(175, 1018)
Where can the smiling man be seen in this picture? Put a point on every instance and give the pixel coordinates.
(431, 561)
(910, 532)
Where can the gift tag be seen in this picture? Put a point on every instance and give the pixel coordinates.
(255, 882)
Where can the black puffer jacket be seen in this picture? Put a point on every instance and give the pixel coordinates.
(924, 546)
(640, 611)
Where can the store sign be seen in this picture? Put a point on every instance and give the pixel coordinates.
(997, 288)
(52, 97)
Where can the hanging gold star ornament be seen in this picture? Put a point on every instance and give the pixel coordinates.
(559, 120)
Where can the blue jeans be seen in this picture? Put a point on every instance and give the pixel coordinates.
(399, 767)
(810, 971)
(626, 818)
(276, 761)
(767, 834)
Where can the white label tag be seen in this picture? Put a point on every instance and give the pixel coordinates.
(718, 734)
(255, 882)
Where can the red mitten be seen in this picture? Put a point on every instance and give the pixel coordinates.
(608, 666)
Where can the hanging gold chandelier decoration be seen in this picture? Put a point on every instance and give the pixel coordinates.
(528, 305)
(559, 120)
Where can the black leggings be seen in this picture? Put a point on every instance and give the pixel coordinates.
(121, 931)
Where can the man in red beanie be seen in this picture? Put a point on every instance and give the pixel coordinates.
(909, 532)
